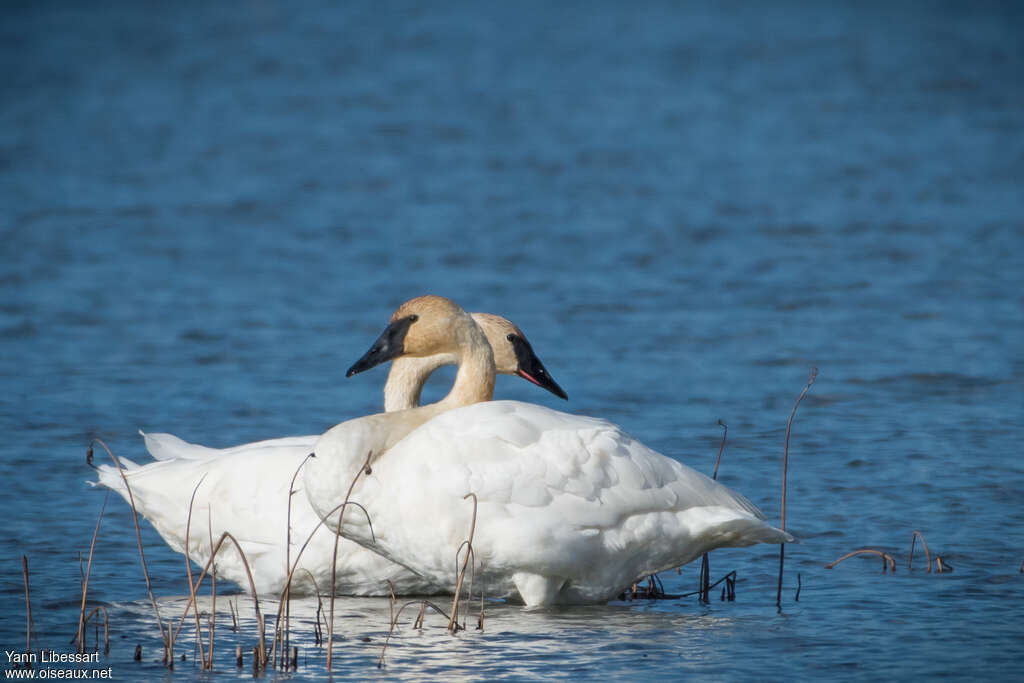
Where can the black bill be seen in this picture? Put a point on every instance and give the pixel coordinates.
(532, 370)
(389, 345)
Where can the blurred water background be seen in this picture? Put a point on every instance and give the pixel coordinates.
(211, 209)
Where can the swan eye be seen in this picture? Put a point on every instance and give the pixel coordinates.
(413, 318)
(510, 337)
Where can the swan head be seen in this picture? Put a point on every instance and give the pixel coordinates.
(424, 326)
(513, 354)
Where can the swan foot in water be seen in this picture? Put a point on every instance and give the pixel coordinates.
(537, 590)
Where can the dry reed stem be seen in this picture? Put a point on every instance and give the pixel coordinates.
(721, 447)
(785, 468)
(453, 624)
(886, 558)
(913, 537)
(106, 627)
(334, 557)
(480, 619)
(188, 573)
(252, 587)
(142, 554)
(298, 556)
(705, 565)
(942, 565)
(80, 636)
(234, 617)
(391, 601)
(286, 595)
(212, 624)
(28, 608)
(318, 635)
(416, 624)
(419, 619)
(731, 576)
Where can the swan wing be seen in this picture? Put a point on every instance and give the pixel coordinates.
(245, 491)
(164, 446)
(558, 495)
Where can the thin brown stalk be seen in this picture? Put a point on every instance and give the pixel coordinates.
(28, 608)
(785, 468)
(453, 624)
(334, 559)
(942, 565)
(705, 565)
(317, 633)
(391, 602)
(730, 576)
(887, 560)
(298, 556)
(188, 573)
(419, 619)
(142, 554)
(424, 604)
(286, 596)
(80, 636)
(225, 536)
(213, 595)
(106, 627)
(721, 447)
(928, 557)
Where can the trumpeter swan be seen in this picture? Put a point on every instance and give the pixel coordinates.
(244, 490)
(570, 509)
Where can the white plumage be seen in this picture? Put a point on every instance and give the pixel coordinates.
(244, 490)
(570, 509)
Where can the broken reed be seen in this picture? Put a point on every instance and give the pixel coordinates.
(889, 563)
(928, 558)
(417, 623)
(106, 628)
(453, 623)
(785, 467)
(887, 560)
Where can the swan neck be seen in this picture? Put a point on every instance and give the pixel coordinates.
(406, 378)
(474, 381)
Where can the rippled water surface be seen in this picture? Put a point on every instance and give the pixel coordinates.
(210, 211)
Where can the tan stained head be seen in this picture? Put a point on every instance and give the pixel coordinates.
(497, 331)
(513, 354)
(436, 325)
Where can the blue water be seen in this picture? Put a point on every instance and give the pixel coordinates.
(210, 211)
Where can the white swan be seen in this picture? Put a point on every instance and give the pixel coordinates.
(244, 490)
(570, 509)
